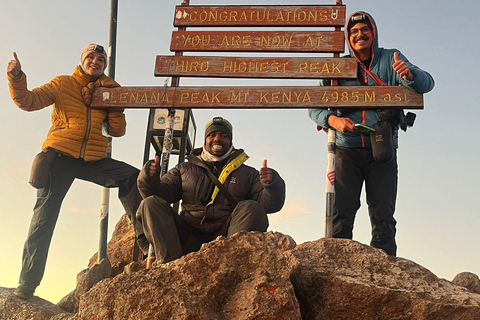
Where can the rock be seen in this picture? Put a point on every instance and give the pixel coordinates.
(66, 316)
(252, 283)
(69, 303)
(13, 308)
(132, 267)
(254, 275)
(89, 277)
(119, 256)
(86, 279)
(336, 278)
(120, 247)
(468, 280)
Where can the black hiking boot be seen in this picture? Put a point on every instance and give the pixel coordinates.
(24, 292)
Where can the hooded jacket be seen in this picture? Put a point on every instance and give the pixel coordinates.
(381, 66)
(76, 128)
(205, 208)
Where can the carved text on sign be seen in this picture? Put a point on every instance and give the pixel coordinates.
(268, 41)
(259, 16)
(305, 67)
(257, 97)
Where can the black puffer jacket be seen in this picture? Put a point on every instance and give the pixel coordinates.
(205, 207)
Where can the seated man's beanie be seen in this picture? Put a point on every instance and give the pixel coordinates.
(93, 47)
(219, 124)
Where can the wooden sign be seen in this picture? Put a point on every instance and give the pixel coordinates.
(255, 16)
(257, 97)
(249, 67)
(266, 41)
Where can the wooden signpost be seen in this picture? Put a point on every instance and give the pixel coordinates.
(257, 97)
(247, 67)
(258, 41)
(239, 40)
(257, 16)
(257, 67)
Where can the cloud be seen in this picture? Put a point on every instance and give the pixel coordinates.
(295, 208)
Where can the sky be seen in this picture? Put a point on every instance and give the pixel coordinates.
(437, 210)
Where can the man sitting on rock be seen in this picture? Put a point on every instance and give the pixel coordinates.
(220, 196)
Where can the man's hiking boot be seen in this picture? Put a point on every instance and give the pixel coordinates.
(23, 292)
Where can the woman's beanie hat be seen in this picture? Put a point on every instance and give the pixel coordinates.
(93, 47)
(219, 124)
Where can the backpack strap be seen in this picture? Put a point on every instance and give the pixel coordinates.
(222, 188)
(374, 77)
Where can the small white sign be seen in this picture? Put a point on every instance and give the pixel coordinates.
(160, 119)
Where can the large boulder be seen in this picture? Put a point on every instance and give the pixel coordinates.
(242, 277)
(266, 276)
(343, 279)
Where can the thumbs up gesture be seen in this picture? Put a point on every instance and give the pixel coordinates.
(401, 68)
(265, 173)
(14, 67)
(154, 169)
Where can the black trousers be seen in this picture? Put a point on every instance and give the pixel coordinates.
(172, 237)
(352, 168)
(64, 170)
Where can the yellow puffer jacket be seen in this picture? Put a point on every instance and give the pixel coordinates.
(76, 128)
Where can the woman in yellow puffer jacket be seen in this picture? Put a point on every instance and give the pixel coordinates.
(75, 148)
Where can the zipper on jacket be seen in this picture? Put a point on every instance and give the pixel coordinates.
(87, 133)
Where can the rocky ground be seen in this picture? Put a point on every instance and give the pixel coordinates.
(256, 275)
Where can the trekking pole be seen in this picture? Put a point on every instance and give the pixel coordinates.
(105, 198)
(330, 187)
(166, 151)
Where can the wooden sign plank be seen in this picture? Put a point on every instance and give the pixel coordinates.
(266, 41)
(254, 67)
(257, 97)
(256, 16)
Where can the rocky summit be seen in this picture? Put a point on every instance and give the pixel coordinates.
(254, 275)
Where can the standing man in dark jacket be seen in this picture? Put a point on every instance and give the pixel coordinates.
(354, 159)
(207, 212)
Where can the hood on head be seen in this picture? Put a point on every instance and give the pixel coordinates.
(350, 22)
